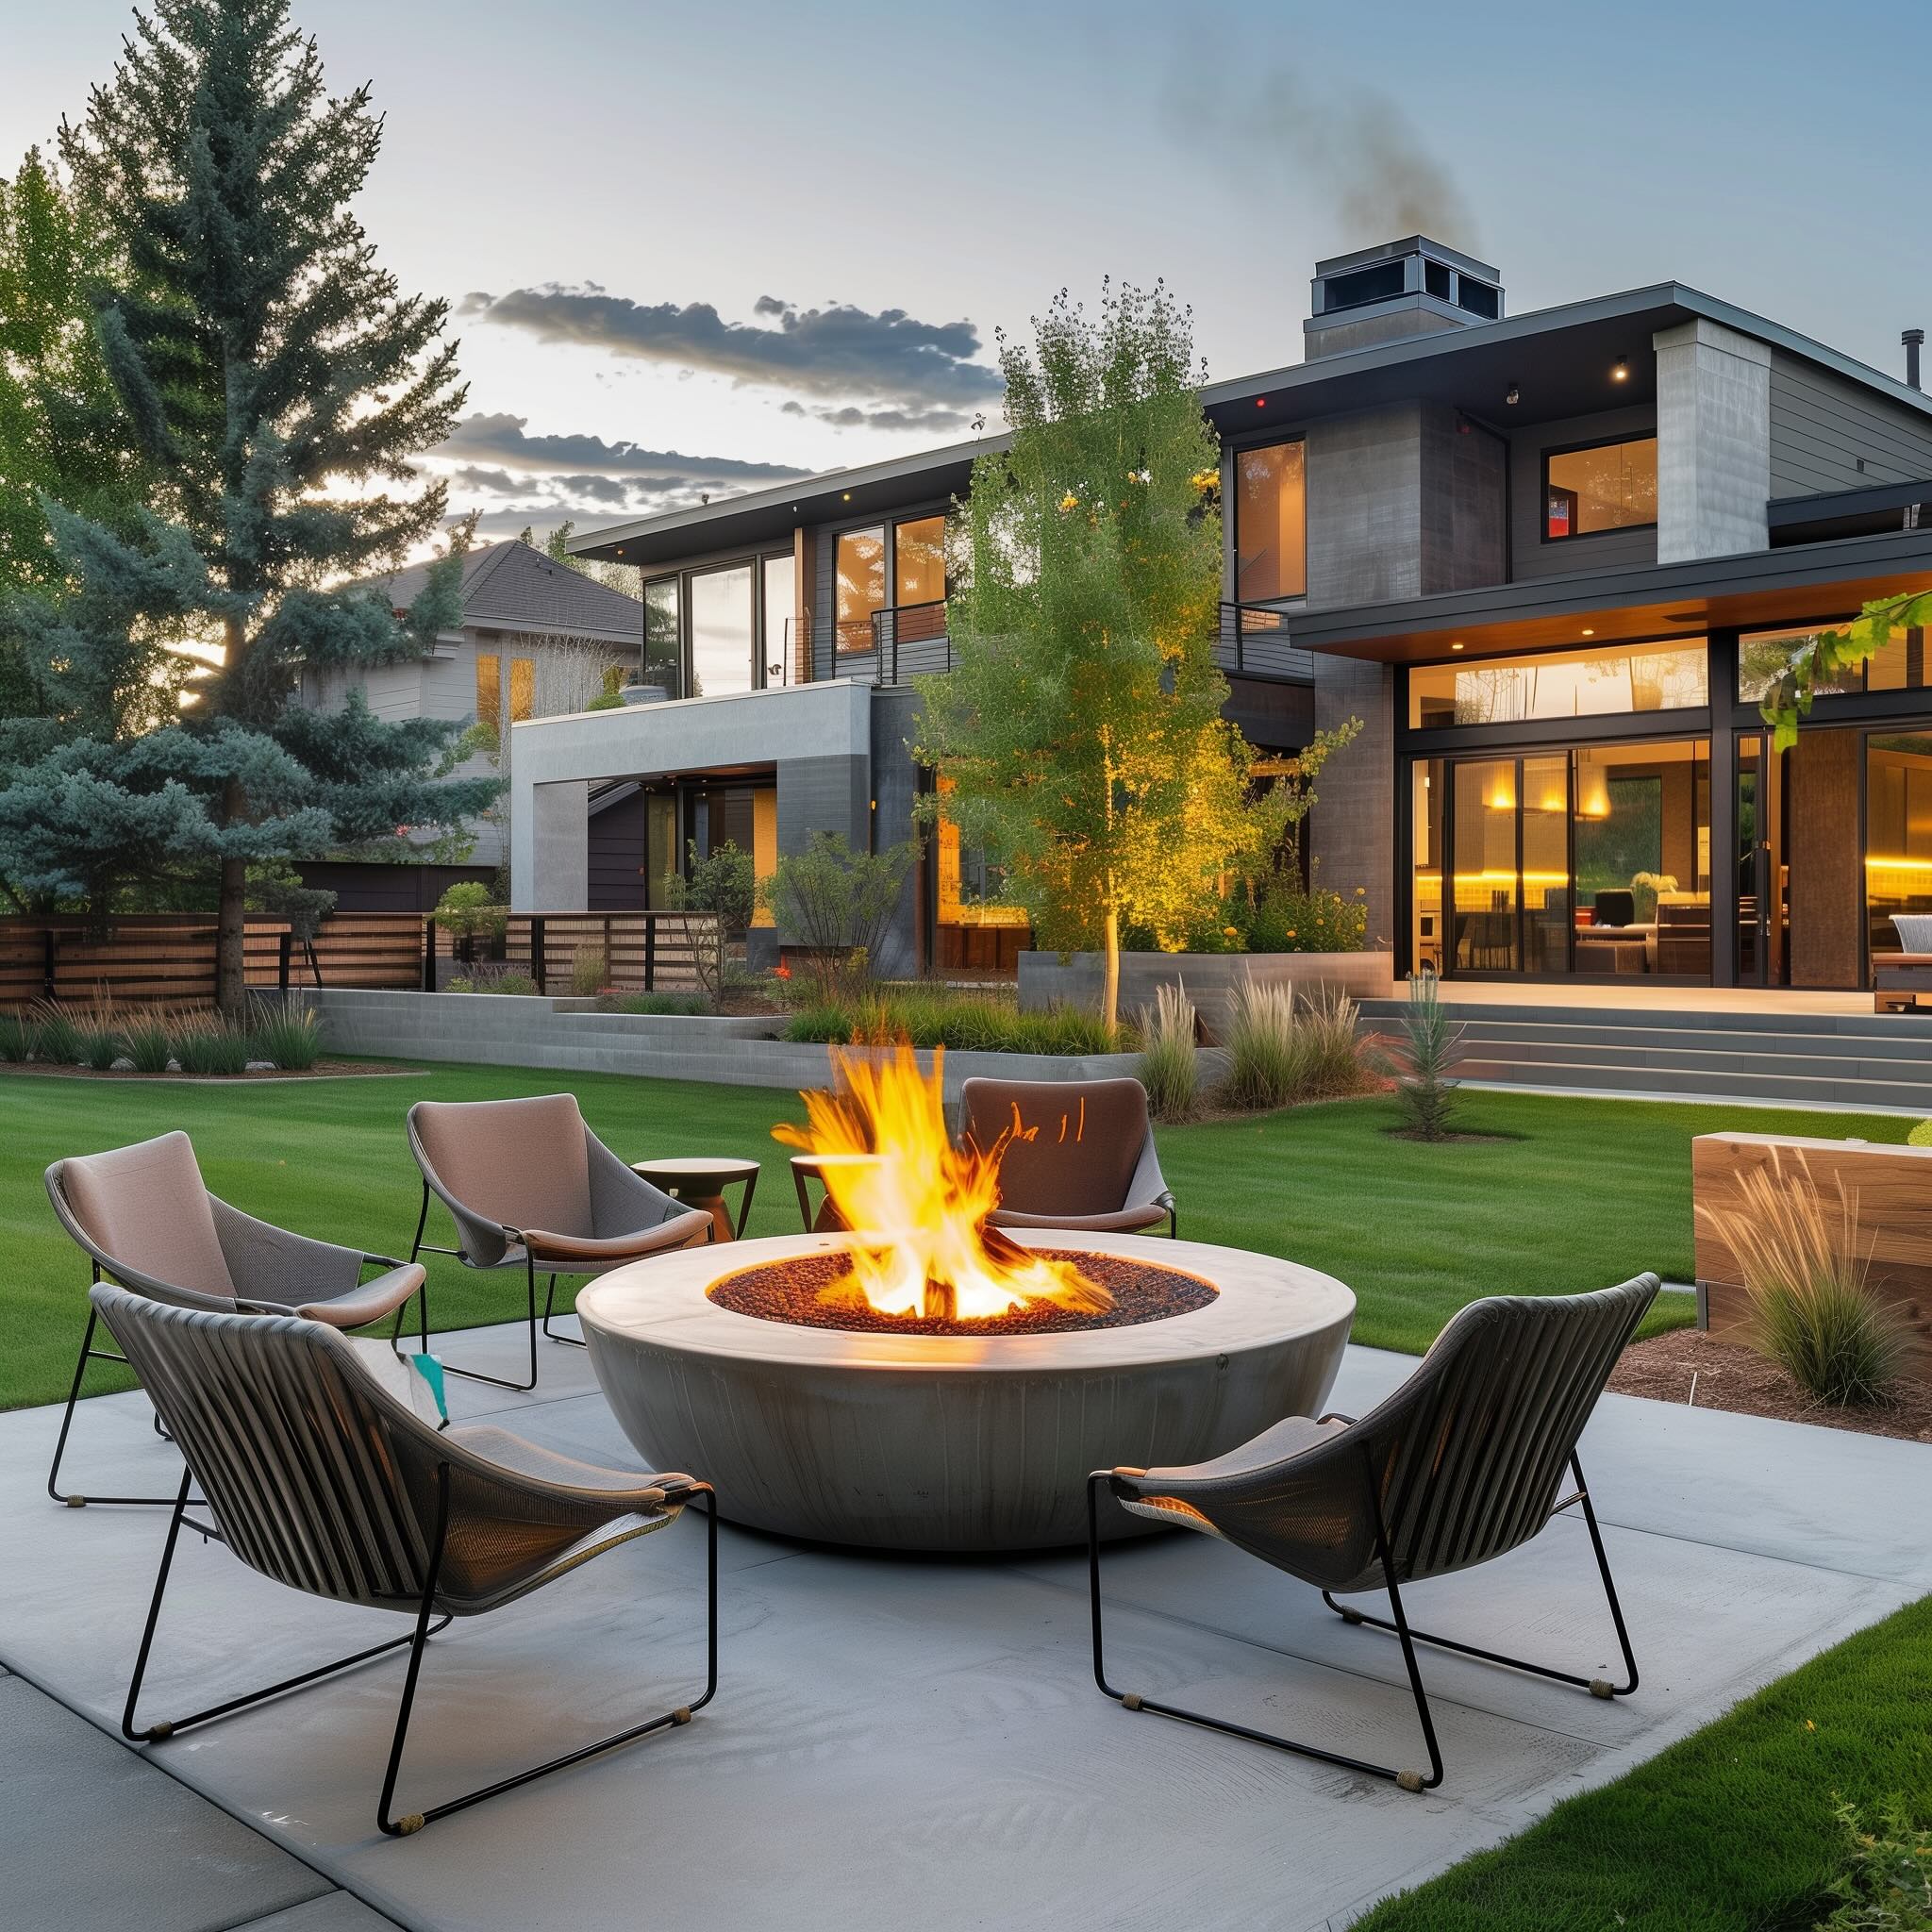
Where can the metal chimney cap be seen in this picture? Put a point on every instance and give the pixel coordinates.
(1910, 336)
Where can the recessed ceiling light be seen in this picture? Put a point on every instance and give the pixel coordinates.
(1456, 647)
(847, 497)
(1587, 632)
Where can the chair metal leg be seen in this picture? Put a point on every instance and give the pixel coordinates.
(149, 1734)
(1408, 1780)
(75, 1499)
(1597, 1686)
(414, 1821)
(420, 1247)
(549, 1302)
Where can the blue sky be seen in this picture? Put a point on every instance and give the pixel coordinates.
(747, 235)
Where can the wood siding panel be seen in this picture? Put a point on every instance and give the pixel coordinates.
(1892, 1189)
(1827, 891)
(1821, 426)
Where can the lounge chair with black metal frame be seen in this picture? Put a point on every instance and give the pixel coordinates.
(144, 1217)
(1073, 1154)
(1459, 1465)
(317, 1475)
(530, 1187)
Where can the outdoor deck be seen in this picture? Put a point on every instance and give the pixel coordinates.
(893, 1742)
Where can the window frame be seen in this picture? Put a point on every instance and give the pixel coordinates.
(1571, 449)
(1231, 497)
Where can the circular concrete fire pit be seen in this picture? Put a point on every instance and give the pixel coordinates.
(951, 1442)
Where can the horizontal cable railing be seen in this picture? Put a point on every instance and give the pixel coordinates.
(1253, 639)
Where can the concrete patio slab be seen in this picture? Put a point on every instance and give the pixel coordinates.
(341, 1912)
(899, 1741)
(90, 1836)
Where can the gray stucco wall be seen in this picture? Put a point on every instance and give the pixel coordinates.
(1821, 426)
(1351, 831)
(1530, 555)
(1463, 505)
(1713, 441)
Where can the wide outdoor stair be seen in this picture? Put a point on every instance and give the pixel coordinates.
(1831, 1059)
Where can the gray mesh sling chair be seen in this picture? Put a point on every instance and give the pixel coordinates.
(529, 1186)
(316, 1475)
(145, 1218)
(1459, 1465)
(1077, 1154)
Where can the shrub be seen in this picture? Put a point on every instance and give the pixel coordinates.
(727, 883)
(493, 979)
(826, 1022)
(288, 1032)
(209, 1043)
(20, 1037)
(659, 1003)
(1920, 1136)
(1293, 919)
(147, 1036)
(840, 904)
(58, 1037)
(962, 1023)
(589, 971)
(1887, 1883)
(1434, 1046)
(1803, 1267)
(1169, 1069)
(467, 912)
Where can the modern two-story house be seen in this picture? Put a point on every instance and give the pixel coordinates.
(1547, 559)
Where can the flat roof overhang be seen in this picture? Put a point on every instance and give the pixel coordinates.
(1801, 584)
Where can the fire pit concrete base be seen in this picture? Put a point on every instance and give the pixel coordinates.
(937, 1442)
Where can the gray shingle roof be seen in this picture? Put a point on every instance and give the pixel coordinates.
(512, 586)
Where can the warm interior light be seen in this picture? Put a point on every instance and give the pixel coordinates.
(1620, 371)
(1502, 795)
(915, 1205)
(1592, 791)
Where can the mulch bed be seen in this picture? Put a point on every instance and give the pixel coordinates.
(789, 1291)
(1731, 1376)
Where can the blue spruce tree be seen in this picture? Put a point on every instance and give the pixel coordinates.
(277, 381)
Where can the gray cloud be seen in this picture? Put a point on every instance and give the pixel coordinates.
(1322, 138)
(470, 476)
(931, 422)
(838, 351)
(503, 438)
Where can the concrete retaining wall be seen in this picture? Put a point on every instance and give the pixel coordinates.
(1210, 977)
(505, 1030)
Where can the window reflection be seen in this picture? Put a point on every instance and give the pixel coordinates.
(721, 631)
(1613, 487)
(1269, 523)
(1560, 684)
(859, 568)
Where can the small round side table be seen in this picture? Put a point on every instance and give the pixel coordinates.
(699, 1181)
(805, 1167)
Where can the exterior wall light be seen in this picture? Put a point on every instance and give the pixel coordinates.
(1620, 371)
(1512, 395)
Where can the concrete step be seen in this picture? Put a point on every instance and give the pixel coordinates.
(1900, 1055)
(1916, 1026)
(1852, 1094)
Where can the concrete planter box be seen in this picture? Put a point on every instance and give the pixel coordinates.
(505, 1030)
(1210, 977)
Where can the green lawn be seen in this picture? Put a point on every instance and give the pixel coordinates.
(1729, 1831)
(1580, 1192)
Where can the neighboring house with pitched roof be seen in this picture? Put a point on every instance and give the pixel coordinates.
(536, 641)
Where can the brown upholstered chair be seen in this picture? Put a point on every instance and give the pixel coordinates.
(529, 1186)
(1461, 1465)
(1077, 1154)
(145, 1218)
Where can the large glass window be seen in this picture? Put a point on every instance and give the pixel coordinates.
(1898, 835)
(919, 561)
(1763, 655)
(663, 650)
(860, 588)
(721, 631)
(1270, 549)
(1611, 485)
(782, 662)
(1560, 684)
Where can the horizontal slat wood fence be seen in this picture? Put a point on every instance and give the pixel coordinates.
(169, 958)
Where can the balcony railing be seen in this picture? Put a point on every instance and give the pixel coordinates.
(908, 640)
(1252, 639)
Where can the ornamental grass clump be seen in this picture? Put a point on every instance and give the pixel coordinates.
(146, 1034)
(209, 1043)
(1266, 1054)
(1805, 1270)
(20, 1037)
(59, 1040)
(1169, 1069)
(590, 974)
(287, 1031)
(1330, 1053)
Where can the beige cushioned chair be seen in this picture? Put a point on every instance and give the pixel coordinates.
(145, 1218)
(1461, 1465)
(316, 1475)
(529, 1186)
(1077, 1154)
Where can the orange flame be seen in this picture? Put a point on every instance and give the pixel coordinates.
(915, 1205)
